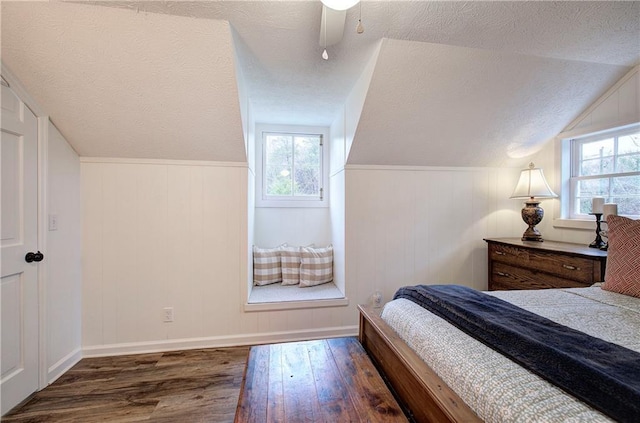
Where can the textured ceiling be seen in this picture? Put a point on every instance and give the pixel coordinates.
(456, 83)
(469, 107)
(123, 84)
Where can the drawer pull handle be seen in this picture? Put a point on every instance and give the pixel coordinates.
(499, 253)
(568, 266)
(502, 274)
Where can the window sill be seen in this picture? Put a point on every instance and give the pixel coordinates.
(582, 224)
(292, 203)
(291, 297)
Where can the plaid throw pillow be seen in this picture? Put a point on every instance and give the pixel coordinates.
(622, 274)
(266, 266)
(316, 265)
(290, 260)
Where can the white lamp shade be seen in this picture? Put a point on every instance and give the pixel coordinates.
(532, 184)
(340, 4)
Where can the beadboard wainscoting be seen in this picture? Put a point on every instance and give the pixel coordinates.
(160, 234)
(413, 225)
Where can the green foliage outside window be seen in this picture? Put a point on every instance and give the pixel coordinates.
(292, 165)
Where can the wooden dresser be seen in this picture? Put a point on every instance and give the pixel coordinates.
(516, 264)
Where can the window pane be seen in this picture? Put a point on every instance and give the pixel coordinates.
(628, 159)
(629, 206)
(307, 166)
(278, 150)
(628, 163)
(278, 165)
(629, 144)
(593, 188)
(626, 186)
(596, 166)
(595, 149)
(588, 189)
(278, 181)
(584, 206)
(616, 153)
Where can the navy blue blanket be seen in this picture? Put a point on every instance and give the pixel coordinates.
(604, 375)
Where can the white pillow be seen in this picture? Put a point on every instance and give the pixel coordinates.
(266, 266)
(316, 266)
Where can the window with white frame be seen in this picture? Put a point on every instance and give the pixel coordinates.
(606, 165)
(291, 168)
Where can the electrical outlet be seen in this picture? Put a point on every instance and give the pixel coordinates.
(168, 314)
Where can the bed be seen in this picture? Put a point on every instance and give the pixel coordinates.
(432, 381)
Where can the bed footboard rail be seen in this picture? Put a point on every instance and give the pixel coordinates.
(418, 389)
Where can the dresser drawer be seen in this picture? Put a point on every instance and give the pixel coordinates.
(517, 264)
(574, 268)
(564, 266)
(508, 254)
(505, 276)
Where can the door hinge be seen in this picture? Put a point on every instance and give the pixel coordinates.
(321, 193)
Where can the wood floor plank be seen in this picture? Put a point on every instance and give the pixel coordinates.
(300, 403)
(316, 381)
(185, 386)
(275, 407)
(333, 395)
(366, 388)
(252, 405)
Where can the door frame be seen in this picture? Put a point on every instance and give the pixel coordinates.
(43, 123)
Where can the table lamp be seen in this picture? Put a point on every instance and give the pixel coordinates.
(531, 186)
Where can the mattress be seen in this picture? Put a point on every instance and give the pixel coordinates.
(496, 388)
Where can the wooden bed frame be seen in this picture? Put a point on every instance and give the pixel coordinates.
(418, 389)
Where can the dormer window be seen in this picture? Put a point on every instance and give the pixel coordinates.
(291, 167)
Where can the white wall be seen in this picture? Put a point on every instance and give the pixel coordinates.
(407, 226)
(617, 107)
(342, 132)
(295, 226)
(174, 234)
(355, 102)
(62, 257)
(337, 200)
(162, 233)
(251, 198)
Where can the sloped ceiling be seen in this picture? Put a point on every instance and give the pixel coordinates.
(469, 107)
(455, 84)
(487, 84)
(123, 84)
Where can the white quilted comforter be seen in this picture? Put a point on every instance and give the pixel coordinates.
(496, 388)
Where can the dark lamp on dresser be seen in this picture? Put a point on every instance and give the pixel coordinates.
(531, 186)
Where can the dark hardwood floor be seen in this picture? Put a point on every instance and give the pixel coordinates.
(182, 386)
(326, 380)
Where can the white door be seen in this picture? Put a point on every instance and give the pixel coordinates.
(18, 223)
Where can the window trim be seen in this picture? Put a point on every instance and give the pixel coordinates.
(291, 201)
(564, 147)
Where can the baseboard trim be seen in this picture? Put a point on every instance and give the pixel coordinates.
(217, 341)
(64, 364)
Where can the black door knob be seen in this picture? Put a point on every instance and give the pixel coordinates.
(31, 256)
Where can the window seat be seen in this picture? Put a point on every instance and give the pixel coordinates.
(287, 297)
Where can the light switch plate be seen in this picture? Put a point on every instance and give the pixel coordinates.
(53, 222)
